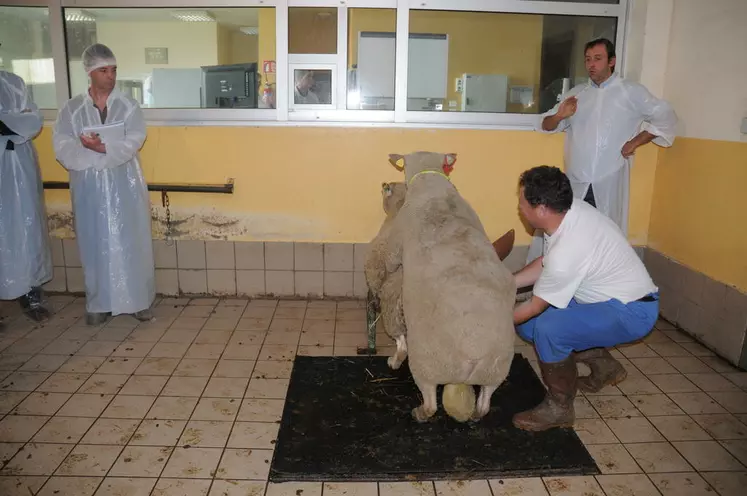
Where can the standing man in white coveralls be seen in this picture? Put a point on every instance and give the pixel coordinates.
(607, 119)
(110, 197)
(25, 256)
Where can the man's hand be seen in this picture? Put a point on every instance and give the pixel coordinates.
(529, 309)
(94, 143)
(567, 108)
(641, 138)
(628, 148)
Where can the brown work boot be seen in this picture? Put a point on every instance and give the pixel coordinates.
(605, 370)
(504, 244)
(556, 410)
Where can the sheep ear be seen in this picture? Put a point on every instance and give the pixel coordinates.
(395, 160)
(448, 165)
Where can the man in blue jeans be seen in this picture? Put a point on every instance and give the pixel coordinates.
(591, 291)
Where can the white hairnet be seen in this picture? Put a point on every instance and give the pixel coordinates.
(97, 56)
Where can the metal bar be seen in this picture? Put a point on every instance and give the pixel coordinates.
(169, 188)
(373, 312)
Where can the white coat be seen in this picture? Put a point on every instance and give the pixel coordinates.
(110, 205)
(25, 255)
(607, 116)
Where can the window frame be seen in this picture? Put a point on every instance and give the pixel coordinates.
(282, 114)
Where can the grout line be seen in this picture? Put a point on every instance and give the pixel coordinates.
(241, 403)
(98, 417)
(75, 445)
(171, 375)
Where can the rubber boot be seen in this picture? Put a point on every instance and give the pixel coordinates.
(504, 244)
(556, 410)
(605, 370)
(98, 318)
(33, 306)
(144, 315)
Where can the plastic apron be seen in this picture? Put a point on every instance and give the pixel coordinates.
(606, 118)
(110, 205)
(25, 255)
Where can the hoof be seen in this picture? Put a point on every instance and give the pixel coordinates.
(393, 363)
(477, 416)
(419, 415)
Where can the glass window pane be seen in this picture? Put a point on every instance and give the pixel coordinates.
(26, 50)
(371, 58)
(313, 87)
(496, 62)
(584, 1)
(179, 58)
(312, 30)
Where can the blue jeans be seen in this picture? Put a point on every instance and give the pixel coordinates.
(557, 332)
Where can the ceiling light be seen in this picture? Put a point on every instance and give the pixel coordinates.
(193, 16)
(78, 16)
(249, 31)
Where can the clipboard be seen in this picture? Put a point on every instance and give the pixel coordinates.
(109, 133)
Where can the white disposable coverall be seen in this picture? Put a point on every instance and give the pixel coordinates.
(25, 256)
(110, 205)
(606, 118)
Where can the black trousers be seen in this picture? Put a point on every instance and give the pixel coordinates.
(589, 198)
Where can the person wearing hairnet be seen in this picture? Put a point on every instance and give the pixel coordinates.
(607, 119)
(110, 197)
(25, 255)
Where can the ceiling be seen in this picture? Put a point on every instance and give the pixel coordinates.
(239, 17)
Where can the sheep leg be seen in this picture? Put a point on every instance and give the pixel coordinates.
(483, 402)
(428, 408)
(399, 356)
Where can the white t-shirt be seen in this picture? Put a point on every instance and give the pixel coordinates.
(589, 259)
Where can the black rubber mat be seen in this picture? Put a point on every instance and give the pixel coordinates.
(348, 419)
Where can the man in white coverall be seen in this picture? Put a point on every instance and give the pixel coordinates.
(110, 197)
(607, 119)
(25, 256)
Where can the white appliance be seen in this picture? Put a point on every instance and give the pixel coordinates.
(484, 92)
(175, 88)
(427, 69)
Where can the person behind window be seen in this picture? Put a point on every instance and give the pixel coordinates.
(25, 255)
(303, 92)
(591, 291)
(110, 197)
(607, 119)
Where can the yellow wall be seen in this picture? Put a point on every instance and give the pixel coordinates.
(323, 184)
(375, 20)
(235, 47)
(698, 215)
(224, 44)
(312, 30)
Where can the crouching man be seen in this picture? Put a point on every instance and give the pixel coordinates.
(591, 291)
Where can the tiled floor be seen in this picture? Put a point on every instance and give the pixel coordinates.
(188, 405)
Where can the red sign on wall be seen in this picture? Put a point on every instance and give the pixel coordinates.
(268, 66)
